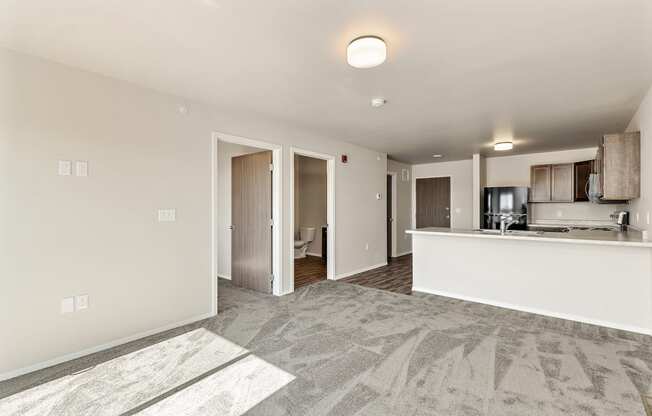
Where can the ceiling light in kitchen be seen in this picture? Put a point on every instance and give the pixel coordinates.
(366, 52)
(437, 156)
(378, 102)
(502, 146)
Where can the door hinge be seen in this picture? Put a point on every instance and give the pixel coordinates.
(271, 222)
(271, 167)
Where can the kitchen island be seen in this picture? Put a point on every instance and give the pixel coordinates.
(597, 277)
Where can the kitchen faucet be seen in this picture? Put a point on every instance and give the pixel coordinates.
(506, 221)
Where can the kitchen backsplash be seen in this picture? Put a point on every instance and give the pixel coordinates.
(578, 212)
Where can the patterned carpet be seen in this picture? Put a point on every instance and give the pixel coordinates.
(360, 351)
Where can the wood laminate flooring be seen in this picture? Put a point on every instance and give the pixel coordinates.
(308, 270)
(395, 277)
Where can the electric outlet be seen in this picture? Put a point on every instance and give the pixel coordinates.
(81, 302)
(67, 305)
(366, 246)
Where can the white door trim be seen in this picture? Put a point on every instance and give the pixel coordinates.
(394, 176)
(330, 212)
(277, 217)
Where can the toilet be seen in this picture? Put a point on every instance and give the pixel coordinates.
(307, 235)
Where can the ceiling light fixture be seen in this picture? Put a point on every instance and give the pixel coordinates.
(366, 52)
(502, 146)
(378, 102)
(436, 156)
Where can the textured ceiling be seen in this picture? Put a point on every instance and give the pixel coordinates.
(550, 74)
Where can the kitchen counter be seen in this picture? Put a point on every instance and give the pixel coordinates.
(596, 277)
(614, 238)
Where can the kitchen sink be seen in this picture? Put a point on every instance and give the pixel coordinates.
(511, 232)
(548, 229)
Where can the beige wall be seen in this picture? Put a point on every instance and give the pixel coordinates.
(461, 174)
(403, 198)
(225, 152)
(62, 236)
(642, 121)
(311, 196)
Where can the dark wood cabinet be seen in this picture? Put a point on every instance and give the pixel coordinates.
(582, 172)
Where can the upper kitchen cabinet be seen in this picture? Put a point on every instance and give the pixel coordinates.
(583, 171)
(562, 183)
(619, 164)
(540, 183)
(552, 183)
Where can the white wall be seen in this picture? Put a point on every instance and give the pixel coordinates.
(403, 198)
(642, 122)
(515, 171)
(461, 174)
(61, 236)
(225, 152)
(312, 197)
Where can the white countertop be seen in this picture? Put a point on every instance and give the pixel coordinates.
(609, 238)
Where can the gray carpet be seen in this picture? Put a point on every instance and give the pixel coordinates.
(355, 350)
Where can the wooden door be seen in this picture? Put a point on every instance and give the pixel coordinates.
(251, 213)
(433, 202)
(390, 218)
(582, 172)
(562, 183)
(540, 183)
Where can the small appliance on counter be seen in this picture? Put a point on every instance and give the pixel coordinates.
(505, 202)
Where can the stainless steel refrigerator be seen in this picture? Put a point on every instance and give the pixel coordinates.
(505, 200)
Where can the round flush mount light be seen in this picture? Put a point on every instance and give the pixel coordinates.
(504, 145)
(378, 102)
(366, 52)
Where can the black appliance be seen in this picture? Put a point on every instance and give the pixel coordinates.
(505, 201)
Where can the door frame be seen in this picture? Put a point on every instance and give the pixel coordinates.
(394, 176)
(414, 197)
(277, 214)
(330, 212)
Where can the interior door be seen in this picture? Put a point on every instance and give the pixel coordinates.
(390, 217)
(433, 202)
(251, 229)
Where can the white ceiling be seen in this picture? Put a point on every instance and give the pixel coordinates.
(553, 74)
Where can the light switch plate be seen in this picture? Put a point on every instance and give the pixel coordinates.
(167, 215)
(81, 302)
(81, 168)
(67, 305)
(65, 168)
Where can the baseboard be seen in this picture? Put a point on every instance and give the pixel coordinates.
(223, 276)
(98, 348)
(567, 317)
(403, 254)
(366, 269)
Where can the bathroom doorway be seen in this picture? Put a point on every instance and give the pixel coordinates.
(311, 217)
